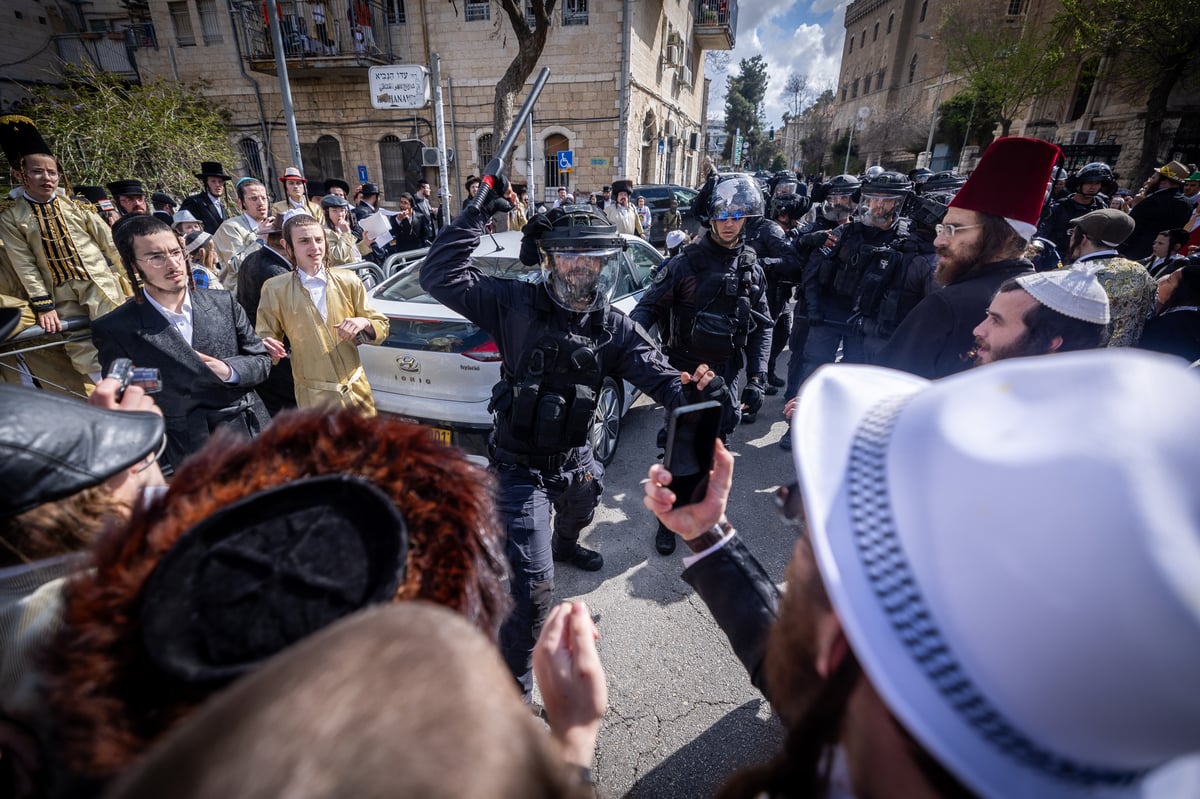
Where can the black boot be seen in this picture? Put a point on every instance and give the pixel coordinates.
(578, 556)
(664, 540)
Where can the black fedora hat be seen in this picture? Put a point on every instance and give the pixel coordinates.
(211, 169)
(129, 187)
(337, 183)
(269, 570)
(93, 194)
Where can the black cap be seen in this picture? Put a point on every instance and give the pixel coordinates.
(370, 188)
(53, 446)
(162, 198)
(269, 570)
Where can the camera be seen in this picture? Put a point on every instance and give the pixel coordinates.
(122, 369)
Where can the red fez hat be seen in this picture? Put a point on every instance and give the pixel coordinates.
(1011, 181)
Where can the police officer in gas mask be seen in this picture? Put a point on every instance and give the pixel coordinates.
(558, 339)
(710, 302)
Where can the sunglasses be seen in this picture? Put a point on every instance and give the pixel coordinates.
(725, 216)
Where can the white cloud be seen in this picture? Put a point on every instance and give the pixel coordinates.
(790, 40)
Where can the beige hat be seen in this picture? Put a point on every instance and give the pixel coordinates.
(1072, 292)
(1107, 226)
(1174, 171)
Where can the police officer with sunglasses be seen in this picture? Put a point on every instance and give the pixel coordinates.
(710, 302)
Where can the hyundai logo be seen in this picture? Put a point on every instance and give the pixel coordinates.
(408, 364)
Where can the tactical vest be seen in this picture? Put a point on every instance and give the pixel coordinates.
(723, 320)
(883, 295)
(546, 406)
(841, 274)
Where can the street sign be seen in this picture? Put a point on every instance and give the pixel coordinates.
(401, 86)
(661, 147)
(566, 160)
(598, 162)
(362, 173)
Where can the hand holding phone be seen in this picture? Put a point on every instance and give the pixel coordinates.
(691, 435)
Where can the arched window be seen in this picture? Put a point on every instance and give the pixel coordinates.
(924, 8)
(891, 19)
(875, 35)
(555, 144)
(400, 162)
(251, 158)
(485, 145)
(912, 68)
(851, 50)
(863, 41)
(867, 83)
(322, 160)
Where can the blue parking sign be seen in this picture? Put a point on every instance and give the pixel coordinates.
(566, 160)
(362, 173)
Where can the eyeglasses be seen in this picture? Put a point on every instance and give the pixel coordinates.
(949, 230)
(162, 259)
(725, 216)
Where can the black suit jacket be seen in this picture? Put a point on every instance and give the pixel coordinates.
(1160, 211)
(257, 268)
(202, 208)
(193, 400)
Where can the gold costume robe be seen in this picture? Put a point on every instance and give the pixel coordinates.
(326, 369)
(341, 248)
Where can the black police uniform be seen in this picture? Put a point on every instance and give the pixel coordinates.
(831, 285)
(710, 303)
(894, 285)
(781, 263)
(1055, 224)
(808, 240)
(552, 359)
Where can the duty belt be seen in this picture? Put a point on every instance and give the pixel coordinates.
(540, 462)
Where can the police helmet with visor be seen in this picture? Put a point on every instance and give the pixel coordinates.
(581, 259)
(735, 197)
(841, 195)
(1095, 172)
(883, 197)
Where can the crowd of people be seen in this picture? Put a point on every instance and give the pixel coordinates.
(232, 578)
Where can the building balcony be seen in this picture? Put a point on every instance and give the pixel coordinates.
(107, 52)
(716, 24)
(348, 38)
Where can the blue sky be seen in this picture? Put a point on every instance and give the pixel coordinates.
(803, 36)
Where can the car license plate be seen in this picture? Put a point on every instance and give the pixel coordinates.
(441, 434)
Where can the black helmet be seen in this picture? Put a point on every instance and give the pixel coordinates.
(942, 186)
(1095, 172)
(731, 192)
(883, 198)
(793, 206)
(920, 175)
(927, 210)
(1057, 174)
(840, 195)
(784, 182)
(581, 256)
(872, 173)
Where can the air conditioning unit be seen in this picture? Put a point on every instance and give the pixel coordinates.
(685, 75)
(672, 127)
(429, 156)
(674, 55)
(1083, 137)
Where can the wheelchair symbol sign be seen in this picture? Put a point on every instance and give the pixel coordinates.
(566, 160)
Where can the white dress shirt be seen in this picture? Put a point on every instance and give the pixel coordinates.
(182, 322)
(316, 286)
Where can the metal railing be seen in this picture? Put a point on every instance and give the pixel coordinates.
(318, 30)
(105, 52)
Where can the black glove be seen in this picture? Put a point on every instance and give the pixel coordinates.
(495, 203)
(752, 396)
(715, 390)
(815, 239)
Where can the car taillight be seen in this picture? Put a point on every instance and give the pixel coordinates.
(486, 352)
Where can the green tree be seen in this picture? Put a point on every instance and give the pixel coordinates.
(962, 111)
(743, 104)
(1007, 64)
(1146, 49)
(103, 129)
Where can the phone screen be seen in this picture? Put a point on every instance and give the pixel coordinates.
(691, 435)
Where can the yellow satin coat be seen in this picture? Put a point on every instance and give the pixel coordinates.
(92, 239)
(326, 369)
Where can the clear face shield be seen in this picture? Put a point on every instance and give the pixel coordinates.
(581, 280)
(786, 187)
(838, 207)
(880, 210)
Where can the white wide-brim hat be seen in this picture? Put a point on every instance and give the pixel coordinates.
(1014, 555)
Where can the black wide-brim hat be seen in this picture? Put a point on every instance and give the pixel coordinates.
(120, 187)
(333, 183)
(261, 574)
(19, 136)
(53, 446)
(211, 169)
(94, 194)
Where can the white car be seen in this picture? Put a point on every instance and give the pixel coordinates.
(437, 368)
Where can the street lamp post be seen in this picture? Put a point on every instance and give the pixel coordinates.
(937, 99)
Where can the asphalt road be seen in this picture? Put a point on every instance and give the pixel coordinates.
(682, 713)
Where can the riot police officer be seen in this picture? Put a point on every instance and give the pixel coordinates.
(777, 255)
(832, 280)
(710, 302)
(558, 339)
(1087, 188)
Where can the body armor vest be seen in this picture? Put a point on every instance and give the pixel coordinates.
(723, 319)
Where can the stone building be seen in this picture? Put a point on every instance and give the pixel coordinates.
(626, 94)
(894, 76)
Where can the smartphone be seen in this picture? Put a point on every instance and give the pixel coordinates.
(691, 434)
